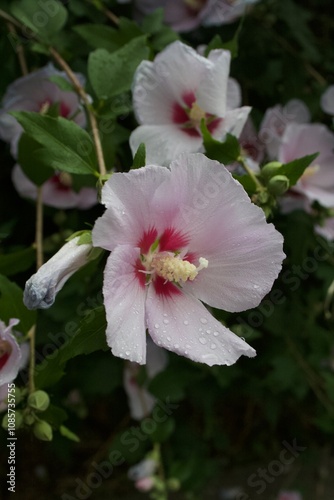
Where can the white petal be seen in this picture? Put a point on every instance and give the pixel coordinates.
(327, 100)
(211, 93)
(124, 300)
(183, 325)
(128, 198)
(163, 142)
(176, 71)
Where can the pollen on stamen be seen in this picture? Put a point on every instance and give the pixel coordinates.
(176, 270)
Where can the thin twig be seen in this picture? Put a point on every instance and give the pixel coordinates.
(19, 50)
(110, 15)
(80, 90)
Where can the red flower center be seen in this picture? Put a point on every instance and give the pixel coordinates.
(189, 116)
(5, 352)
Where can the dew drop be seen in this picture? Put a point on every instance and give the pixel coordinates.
(213, 346)
(216, 334)
(159, 342)
(188, 346)
(256, 287)
(208, 331)
(127, 353)
(186, 322)
(169, 339)
(203, 321)
(156, 325)
(243, 338)
(166, 321)
(165, 315)
(202, 340)
(176, 346)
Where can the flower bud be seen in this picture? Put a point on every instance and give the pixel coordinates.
(43, 430)
(39, 400)
(17, 422)
(270, 169)
(41, 289)
(278, 184)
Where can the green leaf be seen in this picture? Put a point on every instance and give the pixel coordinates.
(140, 157)
(226, 152)
(28, 157)
(153, 22)
(247, 183)
(232, 45)
(98, 36)
(89, 337)
(163, 430)
(295, 169)
(64, 431)
(11, 305)
(43, 17)
(112, 74)
(66, 146)
(16, 262)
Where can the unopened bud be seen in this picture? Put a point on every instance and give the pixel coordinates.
(17, 422)
(278, 184)
(270, 169)
(39, 400)
(41, 289)
(29, 418)
(43, 430)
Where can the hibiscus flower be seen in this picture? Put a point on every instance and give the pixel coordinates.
(178, 236)
(317, 182)
(174, 93)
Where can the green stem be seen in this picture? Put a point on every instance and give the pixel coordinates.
(250, 172)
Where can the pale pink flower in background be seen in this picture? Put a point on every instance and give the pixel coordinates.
(12, 357)
(317, 182)
(289, 495)
(178, 236)
(186, 15)
(276, 120)
(327, 100)
(141, 402)
(172, 94)
(36, 92)
(327, 229)
(56, 191)
(42, 287)
(143, 474)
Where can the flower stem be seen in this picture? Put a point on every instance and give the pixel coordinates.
(251, 174)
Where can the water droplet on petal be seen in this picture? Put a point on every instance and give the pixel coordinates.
(208, 331)
(176, 346)
(188, 346)
(210, 358)
(169, 339)
(216, 334)
(156, 325)
(127, 353)
(202, 340)
(213, 346)
(166, 321)
(256, 287)
(203, 321)
(186, 322)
